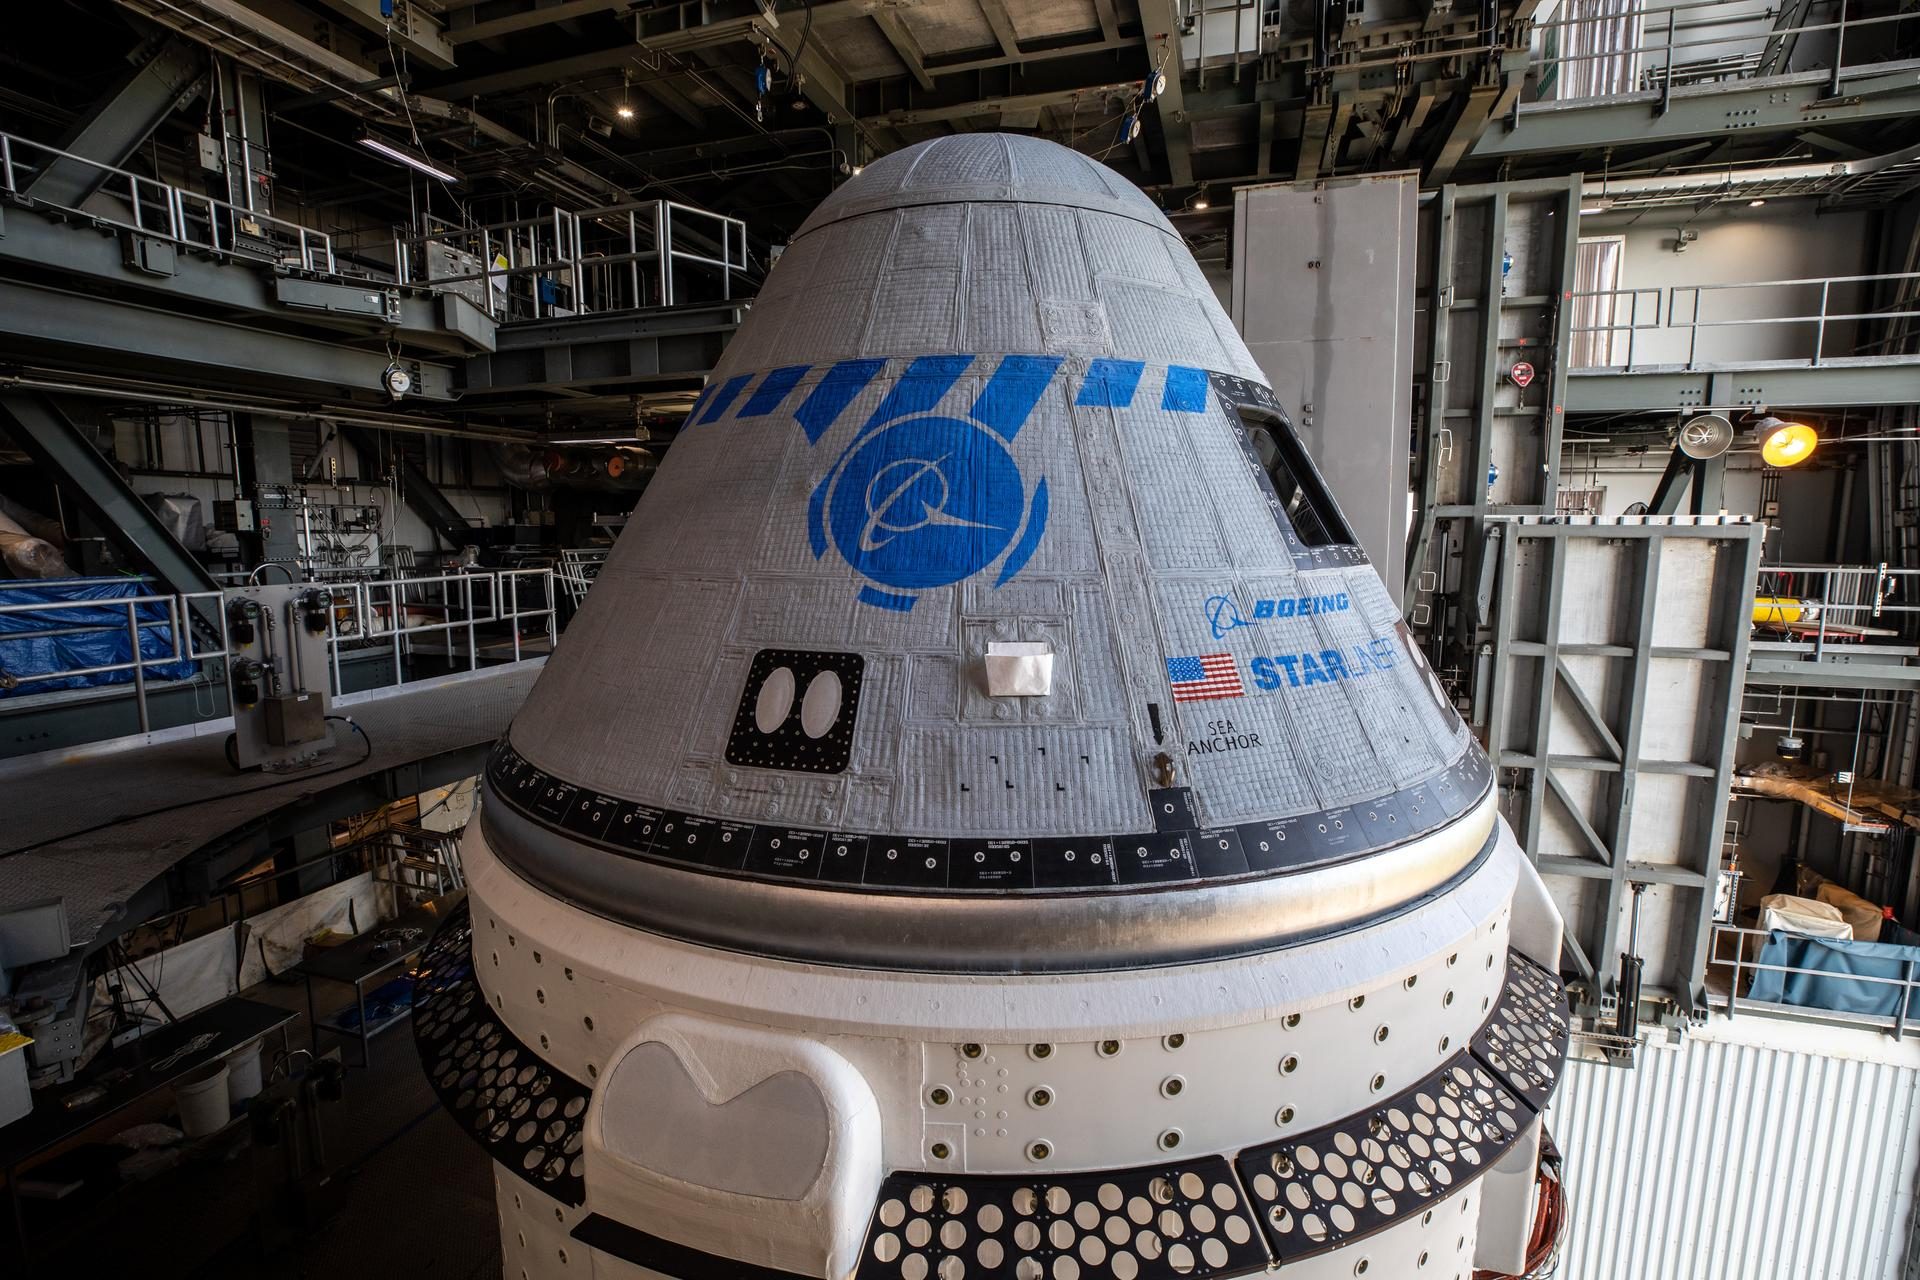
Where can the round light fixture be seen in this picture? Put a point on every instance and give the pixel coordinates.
(1785, 444)
(1705, 436)
(624, 111)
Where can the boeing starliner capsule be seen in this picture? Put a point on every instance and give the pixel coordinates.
(989, 821)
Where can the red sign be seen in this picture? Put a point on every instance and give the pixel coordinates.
(1521, 373)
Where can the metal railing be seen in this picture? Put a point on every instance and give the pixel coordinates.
(1694, 42)
(1684, 306)
(1837, 597)
(613, 258)
(1595, 305)
(579, 568)
(116, 198)
(365, 614)
(178, 622)
(380, 612)
(1904, 989)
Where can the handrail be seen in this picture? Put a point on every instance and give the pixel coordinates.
(1906, 985)
(1717, 38)
(481, 598)
(165, 212)
(575, 263)
(1684, 305)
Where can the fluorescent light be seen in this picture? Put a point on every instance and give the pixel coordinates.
(1755, 204)
(1587, 211)
(401, 155)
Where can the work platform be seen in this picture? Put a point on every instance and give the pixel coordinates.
(66, 838)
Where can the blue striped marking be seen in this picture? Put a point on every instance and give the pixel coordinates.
(722, 400)
(772, 390)
(836, 391)
(919, 389)
(1007, 400)
(886, 599)
(1186, 389)
(1110, 383)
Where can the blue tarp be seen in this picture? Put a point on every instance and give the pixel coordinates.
(26, 648)
(1832, 956)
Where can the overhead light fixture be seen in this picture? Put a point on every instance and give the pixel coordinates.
(624, 111)
(1785, 444)
(859, 169)
(408, 157)
(1200, 200)
(1755, 204)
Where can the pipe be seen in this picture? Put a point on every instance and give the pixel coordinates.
(623, 469)
(25, 556)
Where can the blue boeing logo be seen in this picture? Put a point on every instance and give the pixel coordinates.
(920, 500)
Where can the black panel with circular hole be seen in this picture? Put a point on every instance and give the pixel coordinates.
(1524, 1042)
(1162, 1222)
(524, 1111)
(789, 746)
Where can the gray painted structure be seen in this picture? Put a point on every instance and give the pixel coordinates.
(1323, 295)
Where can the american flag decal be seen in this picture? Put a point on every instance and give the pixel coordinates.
(1208, 676)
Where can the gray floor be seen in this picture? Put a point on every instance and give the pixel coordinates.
(47, 851)
(410, 1195)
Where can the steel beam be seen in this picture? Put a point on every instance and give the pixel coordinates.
(49, 436)
(995, 12)
(660, 30)
(1780, 104)
(905, 47)
(1849, 383)
(1160, 31)
(406, 23)
(122, 119)
(34, 243)
(469, 31)
(631, 348)
(992, 106)
(1830, 673)
(92, 333)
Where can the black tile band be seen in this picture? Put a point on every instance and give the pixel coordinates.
(1177, 852)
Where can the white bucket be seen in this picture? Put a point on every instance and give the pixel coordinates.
(202, 1099)
(243, 1073)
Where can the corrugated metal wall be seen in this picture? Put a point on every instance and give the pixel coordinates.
(1727, 1159)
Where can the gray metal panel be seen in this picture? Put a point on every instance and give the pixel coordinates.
(1323, 297)
(1618, 659)
(1727, 1158)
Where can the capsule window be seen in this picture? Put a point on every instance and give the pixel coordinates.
(1303, 495)
(775, 703)
(797, 711)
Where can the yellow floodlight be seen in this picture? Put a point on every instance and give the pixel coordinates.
(1785, 444)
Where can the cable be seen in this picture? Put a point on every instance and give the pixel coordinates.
(187, 804)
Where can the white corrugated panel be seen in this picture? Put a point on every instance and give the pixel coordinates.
(1754, 1150)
